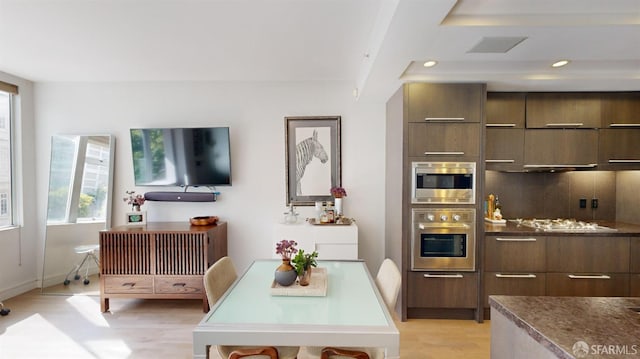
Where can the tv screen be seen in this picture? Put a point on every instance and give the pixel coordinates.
(181, 156)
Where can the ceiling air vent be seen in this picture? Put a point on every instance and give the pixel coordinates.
(496, 44)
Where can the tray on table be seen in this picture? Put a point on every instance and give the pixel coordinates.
(317, 286)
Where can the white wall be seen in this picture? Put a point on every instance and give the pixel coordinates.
(255, 113)
(20, 255)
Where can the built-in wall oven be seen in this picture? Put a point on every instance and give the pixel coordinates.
(443, 182)
(443, 239)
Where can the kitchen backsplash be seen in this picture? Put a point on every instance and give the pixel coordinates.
(557, 195)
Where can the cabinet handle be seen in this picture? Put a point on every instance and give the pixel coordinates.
(500, 125)
(458, 275)
(526, 239)
(588, 165)
(179, 284)
(624, 161)
(128, 284)
(594, 276)
(453, 153)
(567, 124)
(444, 119)
(624, 125)
(499, 161)
(499, 275)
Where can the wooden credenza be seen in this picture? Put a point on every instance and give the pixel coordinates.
(163, 260)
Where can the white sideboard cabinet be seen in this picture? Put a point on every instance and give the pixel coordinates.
(330, 241)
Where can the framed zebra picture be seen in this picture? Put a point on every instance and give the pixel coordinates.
(312, 157)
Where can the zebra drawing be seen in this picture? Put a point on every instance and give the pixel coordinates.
(305, 152)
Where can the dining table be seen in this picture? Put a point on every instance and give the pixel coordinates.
(348, 312)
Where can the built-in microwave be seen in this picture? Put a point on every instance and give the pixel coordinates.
(443, 182)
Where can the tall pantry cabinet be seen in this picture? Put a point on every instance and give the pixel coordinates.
(433, 123)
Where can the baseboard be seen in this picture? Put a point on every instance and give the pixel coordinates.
(18, 289)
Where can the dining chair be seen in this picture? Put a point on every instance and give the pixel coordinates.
(217, 280)
(388, 280)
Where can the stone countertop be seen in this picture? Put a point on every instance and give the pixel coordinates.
(607, 324)
(511, 228)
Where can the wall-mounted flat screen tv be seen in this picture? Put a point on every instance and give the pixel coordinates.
(181, 156)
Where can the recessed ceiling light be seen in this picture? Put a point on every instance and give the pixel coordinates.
(430, 63)
(560, 63)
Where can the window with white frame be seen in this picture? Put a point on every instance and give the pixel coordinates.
(6, 176)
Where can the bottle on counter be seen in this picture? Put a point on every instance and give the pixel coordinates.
(324, 216)
(331, 213)
(491, 204)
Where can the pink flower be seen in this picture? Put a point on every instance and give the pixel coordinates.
(338, 192)
(133, 198)
(286, 248)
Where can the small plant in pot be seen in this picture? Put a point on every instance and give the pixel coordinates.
(285, 273)
(303, 262)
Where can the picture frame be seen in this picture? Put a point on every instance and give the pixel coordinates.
(312, 171)
(136, 219)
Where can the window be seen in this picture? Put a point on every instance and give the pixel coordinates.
(6, 177)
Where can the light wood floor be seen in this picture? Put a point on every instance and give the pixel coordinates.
(50, 326)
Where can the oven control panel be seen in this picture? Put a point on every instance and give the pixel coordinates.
(444, 215)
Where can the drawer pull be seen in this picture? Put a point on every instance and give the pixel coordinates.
(595, 276)
(179, 284)
(624, 161)
(444, 153)
(499, 161)
(567, 124)
(624, 125)
(500, 125)
(444, 119)
(427, 275)
(128, 284)
(499, 275)
(526, 239)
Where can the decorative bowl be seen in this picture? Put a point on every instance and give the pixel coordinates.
(203, 220)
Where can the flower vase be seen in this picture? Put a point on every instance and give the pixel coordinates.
(136, 208)
(305, 278)
(338, 204)
(285, 274)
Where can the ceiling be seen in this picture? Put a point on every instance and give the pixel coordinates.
(375, 45)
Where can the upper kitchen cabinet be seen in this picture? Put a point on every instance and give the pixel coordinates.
(563, 110)
(445, 102)
(566, 148)
(505, 109)
(444, 141)
(618, 149)
(621, 109)
(504, 145)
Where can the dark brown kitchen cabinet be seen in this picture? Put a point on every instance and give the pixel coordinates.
(561, 148)
(513, 254)
(587, 254)
(619, 149)
(634, 267)
(498, 283)
(514, 265)
(563, 110)
(505, 109)
(446, 141)
(588, 285)
(504, 149)
(588, 266)
(620, 109)
(634, 285)
(442, 290)
(445, 102)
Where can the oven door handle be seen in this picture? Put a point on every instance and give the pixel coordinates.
(424, 226)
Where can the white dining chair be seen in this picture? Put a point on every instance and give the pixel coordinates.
(217, 280)
(388, 280)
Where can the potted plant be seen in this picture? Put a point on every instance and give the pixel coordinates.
(285, 273)
(303, 263)
(135, 200)
(338, 194)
